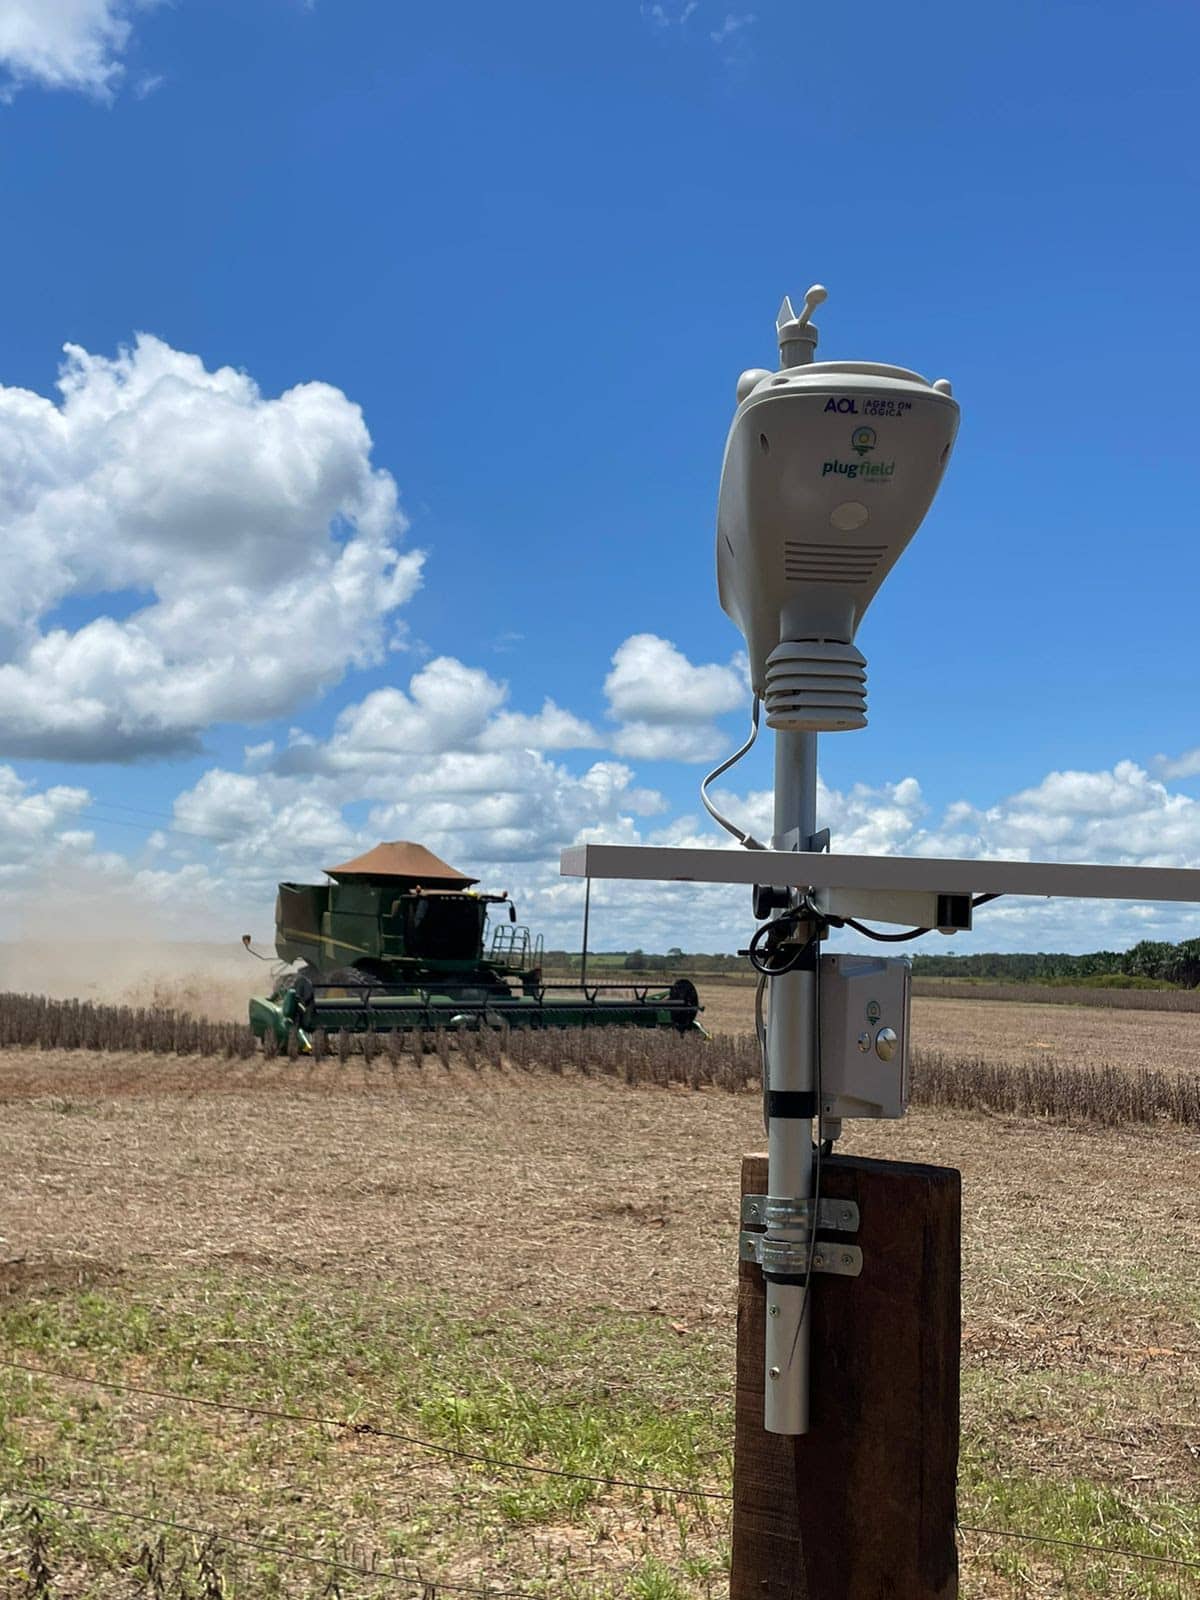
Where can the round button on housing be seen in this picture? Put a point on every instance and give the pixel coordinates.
(849, 515)
(886, 1041)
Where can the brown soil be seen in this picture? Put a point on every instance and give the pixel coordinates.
(116, 1161)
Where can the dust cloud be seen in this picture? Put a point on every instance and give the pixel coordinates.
(205, 980)
(91, 939)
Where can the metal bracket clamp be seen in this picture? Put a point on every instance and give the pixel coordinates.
(792, 1257)
(789, 1257)
(777, 1211)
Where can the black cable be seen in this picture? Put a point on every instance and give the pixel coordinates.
(772, 935)
(760, 1033)
(900, 938)
(884, 938)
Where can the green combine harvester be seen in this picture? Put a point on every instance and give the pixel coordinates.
(398, 940)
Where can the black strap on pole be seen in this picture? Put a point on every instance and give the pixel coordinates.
(795, 1103)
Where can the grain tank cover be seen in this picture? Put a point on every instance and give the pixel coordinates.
(399, 859)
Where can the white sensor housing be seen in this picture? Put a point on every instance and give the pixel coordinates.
(829, 469)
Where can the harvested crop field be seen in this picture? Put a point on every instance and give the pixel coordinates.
(535, 1267)
(1009, 1032)
(999, 1030)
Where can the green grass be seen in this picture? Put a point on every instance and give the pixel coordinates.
(606, 1394)
(1032, 1460)
(613, 1397)
(1083, 1513)
(387, 1361)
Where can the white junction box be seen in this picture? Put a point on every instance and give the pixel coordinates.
(864, 1004)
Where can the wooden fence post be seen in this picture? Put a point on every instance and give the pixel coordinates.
(862, 1507)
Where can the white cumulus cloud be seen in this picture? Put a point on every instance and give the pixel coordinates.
(65, 44)
(448, 707)
(501, 815)
(653, 681)
(444, 760)
(1123, 815)
(504, 814)
(665, 704)
(1186, 765)
(35, 825)
(240, 552)
(551, 728)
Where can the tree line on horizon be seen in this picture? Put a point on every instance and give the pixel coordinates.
(1151, 961)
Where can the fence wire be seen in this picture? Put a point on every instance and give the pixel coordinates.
(272, 1547)
(372, 1429)
(478, 1458)
(1082, 1544)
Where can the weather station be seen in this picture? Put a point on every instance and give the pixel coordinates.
(829, 469)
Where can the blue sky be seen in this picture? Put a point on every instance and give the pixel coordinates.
(478, 282)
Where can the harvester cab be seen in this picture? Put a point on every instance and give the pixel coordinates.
(397, 939)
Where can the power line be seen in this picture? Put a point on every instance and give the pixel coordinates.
(369, 1428)
(138, 811)
(166, 823)
(146, 827)
(270, 1547)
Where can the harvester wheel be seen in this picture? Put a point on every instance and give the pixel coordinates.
(350, 978)
(684, 990)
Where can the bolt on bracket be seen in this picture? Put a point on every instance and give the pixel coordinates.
(791, 1256)
(777, 1211)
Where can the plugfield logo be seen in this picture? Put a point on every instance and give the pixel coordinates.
(859, 469)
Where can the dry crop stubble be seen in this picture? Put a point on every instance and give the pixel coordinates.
(294, 1162)
(1010, 1031)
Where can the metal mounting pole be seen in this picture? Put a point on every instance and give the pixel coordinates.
(791, 1104)
(587, 907)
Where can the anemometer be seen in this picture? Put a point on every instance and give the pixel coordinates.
(829, 469)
